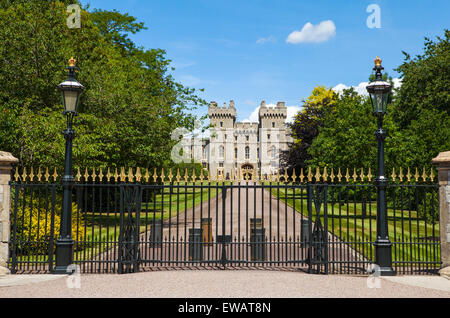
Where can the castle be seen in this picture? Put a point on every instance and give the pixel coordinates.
(243, 148)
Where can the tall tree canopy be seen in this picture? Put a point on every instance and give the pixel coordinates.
(306, 126)
(417, 123)
(128, 110)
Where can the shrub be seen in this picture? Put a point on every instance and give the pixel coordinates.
(34, 229)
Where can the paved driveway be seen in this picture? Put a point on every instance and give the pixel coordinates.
(228, 284)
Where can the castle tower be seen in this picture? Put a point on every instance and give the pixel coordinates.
(273, 136)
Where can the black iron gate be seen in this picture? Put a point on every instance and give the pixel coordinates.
(127, 227)
(224, 231)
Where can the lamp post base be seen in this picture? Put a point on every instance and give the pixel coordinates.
(383, 257)
(64, 256)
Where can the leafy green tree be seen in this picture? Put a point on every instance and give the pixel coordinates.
(306, 126)
(347, 140)
(128, 110)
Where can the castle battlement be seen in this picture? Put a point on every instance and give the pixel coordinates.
(278, 112)
(216, 112)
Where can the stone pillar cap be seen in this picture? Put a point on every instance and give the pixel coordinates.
(443, 157)
(7, 157)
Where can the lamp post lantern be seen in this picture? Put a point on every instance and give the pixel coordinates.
(379, 94)
(71, 90)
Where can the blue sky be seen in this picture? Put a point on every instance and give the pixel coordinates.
(238, 50)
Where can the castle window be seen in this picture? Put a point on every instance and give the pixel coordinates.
(220, 164)
(258, 152)
(273, 124)
(246, 137)
(221, 151)
(274, 152)
(235, 138)
(247, 153)
(221, 124)
(268, 137)
(235, 153)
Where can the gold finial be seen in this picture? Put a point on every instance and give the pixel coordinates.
(55, 175)
(170, 176)
(332, 176)
(369, 175)
(39, 175)
(147, 175)
(16, 175)
(163, 177)
(130, 175)
(302, 176)
(72, 62)
(378, 61)
(138, 174)
(78, 177)
(116, 175)
(325, 175)
(317, 176)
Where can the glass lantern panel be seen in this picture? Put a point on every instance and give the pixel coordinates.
(70, 101)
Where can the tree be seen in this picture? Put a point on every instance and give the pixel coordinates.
(346, 138)
(306, 126)
(422, 106)
(128, 110)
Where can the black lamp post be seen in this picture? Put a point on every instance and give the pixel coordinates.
(379, 94)
(71, 90)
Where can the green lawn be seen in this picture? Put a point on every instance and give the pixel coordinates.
(348, 223)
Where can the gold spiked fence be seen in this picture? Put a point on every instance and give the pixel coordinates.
(145, 175)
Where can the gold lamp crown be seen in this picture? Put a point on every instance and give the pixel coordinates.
(378, 61)
(72, 62)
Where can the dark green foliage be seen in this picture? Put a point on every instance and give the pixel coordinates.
(128, 110)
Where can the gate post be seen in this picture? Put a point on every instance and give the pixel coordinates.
(6, 159)
(443, 162)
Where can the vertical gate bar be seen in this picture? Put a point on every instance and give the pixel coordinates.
(170, 219)
(93, 228)
(153, 235)
(285, 221)
(47, 235)
(38, 238)
(119, 270)
(231, 254)
(201, 218)
(101, 244)
(310, 217)
(163, 255)
(254, 215)
(294, 212)
(224, 197)
(146, 235)
(52, 230)
(116, 210)
(178, 247)
(217, 220)
(239, 223)
(209, 216)
(270, 220)
(108, 211)
(325, 231)
(246, 222)
(278, 223)
(418, 245)
(262, 218)
(29, 250)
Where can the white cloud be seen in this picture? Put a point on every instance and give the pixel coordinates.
(313, 33)
(361, 87)
(291, 112)
(270, 39)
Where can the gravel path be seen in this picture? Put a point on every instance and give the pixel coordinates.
(221, 284)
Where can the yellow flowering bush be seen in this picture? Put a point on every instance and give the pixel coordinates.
(34, 229)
